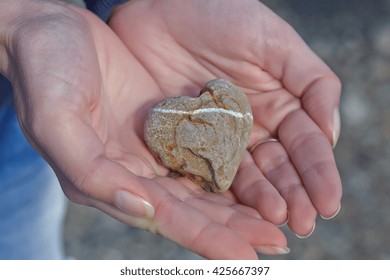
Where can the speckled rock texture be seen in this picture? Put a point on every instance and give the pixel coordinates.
(202, 138)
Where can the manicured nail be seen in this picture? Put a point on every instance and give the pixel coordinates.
(133, 205)
(285, 222)
(336, 126)
(310, 233)
(272, 250)
(334, 215)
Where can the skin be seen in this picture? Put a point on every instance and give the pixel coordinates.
(293, 94)
(82, 93)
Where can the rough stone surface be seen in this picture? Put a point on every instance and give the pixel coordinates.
(202, 138)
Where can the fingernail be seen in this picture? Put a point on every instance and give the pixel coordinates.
(334, 215)
(336, 126)
(285, 222)
(306, 236)
(133, 205)
(271, 250)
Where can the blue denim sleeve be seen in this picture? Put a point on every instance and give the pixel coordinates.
(103, 8)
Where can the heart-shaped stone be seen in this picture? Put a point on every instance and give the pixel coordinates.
(202, 138)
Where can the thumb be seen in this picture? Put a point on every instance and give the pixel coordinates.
(310, 79)
(86, 173)
(305, 75)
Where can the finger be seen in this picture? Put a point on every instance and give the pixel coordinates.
(321, 101)
(312, 155)
(256, 231)
(307, 77)
(171, 219)
(199, 233)
(262, 235)
(275, 164)
(253, 189)
(225, 199)
(129, 217)
(78, 157)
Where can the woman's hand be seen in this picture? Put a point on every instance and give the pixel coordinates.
(81, 99)
(293, 94)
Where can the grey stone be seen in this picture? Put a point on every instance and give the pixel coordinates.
(202, 138)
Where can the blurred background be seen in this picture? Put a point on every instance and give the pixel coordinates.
(353, 38)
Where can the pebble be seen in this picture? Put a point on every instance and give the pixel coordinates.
(202, 138)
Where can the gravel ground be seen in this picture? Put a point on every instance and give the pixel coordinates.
(353, 37)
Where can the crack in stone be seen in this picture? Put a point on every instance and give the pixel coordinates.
(203, 138)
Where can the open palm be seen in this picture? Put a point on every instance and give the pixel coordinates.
(83, 107)
(294, 96)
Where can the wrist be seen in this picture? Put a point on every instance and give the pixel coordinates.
(9, 11)
(17, 17)
(11, 14)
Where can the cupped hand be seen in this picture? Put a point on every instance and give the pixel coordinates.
(81, 99)
(293, 94)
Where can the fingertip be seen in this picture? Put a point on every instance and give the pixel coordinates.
(253, 189)
(331, 216)
(273, 208)
(272, 240)
(272, 250)
(303, 236)
(279, 215)
(302, 214)
(285, 221)
(313, 158)
(133, 204)
(329, 206)
(321, 101)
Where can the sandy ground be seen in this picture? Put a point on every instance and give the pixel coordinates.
(353, 37)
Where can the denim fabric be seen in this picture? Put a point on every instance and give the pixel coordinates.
(32, 205)
(103, 8)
